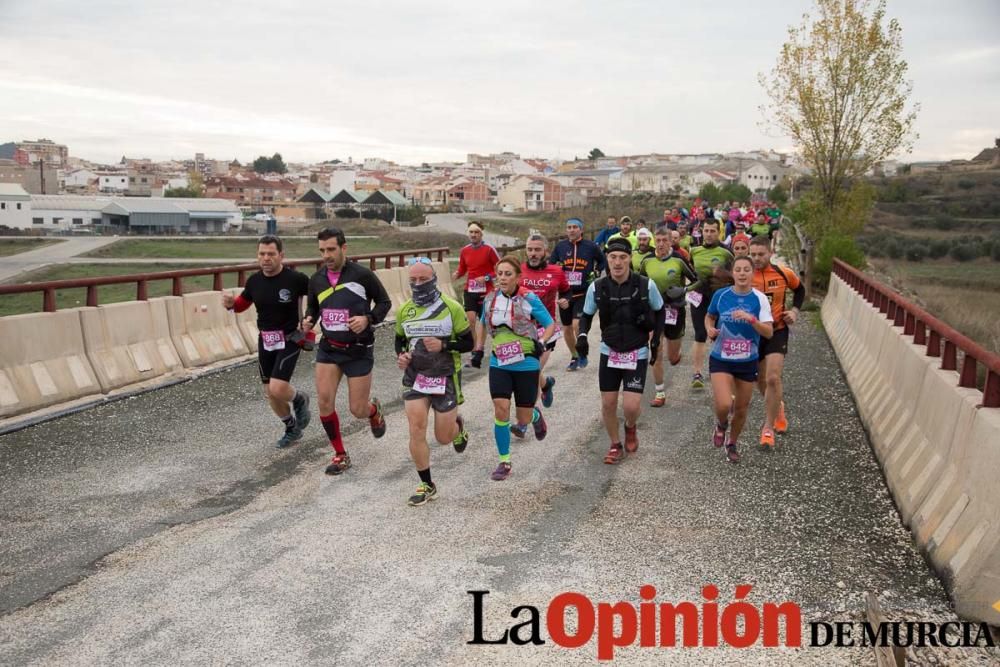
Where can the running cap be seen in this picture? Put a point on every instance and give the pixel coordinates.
(618, 245)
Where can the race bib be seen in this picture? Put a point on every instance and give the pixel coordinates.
(669, 316)
(430, 385)
(694, 298)
(335, 319)
(509, 353)
(574, 278)
(625, 360)
(736, 348)
(273, 340)
(476, 286)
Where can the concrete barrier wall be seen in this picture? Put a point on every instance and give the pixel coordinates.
(203, 332)
(43, 362)
(129, 343)
(939, 450)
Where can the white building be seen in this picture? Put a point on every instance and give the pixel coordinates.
(343, 179)
(763, 175)
(78, 178)
(15, 206)
(112, 181)
(66, 212)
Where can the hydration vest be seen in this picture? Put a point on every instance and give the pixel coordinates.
(626, 316)
(521, 322)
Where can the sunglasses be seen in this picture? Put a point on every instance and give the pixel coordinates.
(418, 260)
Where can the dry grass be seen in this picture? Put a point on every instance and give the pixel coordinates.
(965, 295)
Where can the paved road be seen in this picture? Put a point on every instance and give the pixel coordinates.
(457, 223)
(12, 265)
(166, 529)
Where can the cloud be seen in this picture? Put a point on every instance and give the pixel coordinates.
(972, 55)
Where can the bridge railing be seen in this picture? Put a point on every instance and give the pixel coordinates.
(142, 280)
(941, 340)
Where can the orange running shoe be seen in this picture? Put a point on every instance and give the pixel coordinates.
(781, 424)
(767, 438)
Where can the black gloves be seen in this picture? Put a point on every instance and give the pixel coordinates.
(582, 346)
(477, 359)
(654, 350)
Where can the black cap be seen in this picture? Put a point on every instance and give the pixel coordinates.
(618, 244)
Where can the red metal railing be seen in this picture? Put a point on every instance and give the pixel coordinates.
(941, 340)
(142, 280)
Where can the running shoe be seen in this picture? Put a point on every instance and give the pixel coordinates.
(697, 381)
(501, 473)
(583, 362)
(781, 423)
(302, 414)
(291, 436)
(719, 436)
(541, 428)
(377, 421)
(631, 439)
(732, 455)
(461, 440)
(339, 464)
(615, 454)
(425, 493)
(766, 437)
(519, 430)
(574, 364)
(547, 391)
(659, 400)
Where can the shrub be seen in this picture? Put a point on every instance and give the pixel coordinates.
(838, 246)
(916, 253)
(963, 252)
(893, 249)
(943, 221)
(939, 248)
(996, 252)
(966, 184)
(346, 213)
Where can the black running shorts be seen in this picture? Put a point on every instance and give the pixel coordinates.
(523, 385)
(357, 362)
(446, 402)
(698, 319)
(776, 344)
(676, 331)
(573, 312)
(277, 364)
(614, 379)
(745, 371)
(473, 302)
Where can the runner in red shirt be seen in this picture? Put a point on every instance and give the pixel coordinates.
(477, 261)
(549, 282)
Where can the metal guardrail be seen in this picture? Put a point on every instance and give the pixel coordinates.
(941, 340)
(142, 280)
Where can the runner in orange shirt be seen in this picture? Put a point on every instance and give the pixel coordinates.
(775, 282)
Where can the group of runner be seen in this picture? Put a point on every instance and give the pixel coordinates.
(736, 299)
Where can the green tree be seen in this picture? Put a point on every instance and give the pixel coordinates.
(195, 187)
(595, 153)
(839, 90)
(778, 195)
(735, 192)
(710, 192)
(275, 163)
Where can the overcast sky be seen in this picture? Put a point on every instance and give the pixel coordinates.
(423, 81)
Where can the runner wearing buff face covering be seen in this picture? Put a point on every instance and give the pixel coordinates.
(431, 334)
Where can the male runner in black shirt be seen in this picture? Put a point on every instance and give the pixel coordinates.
(277, 291)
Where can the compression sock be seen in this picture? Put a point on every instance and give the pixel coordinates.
(425, 476)
(331, 424)
(501, 431)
